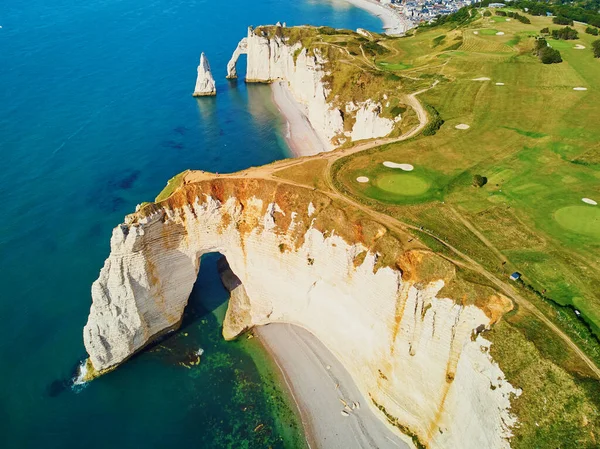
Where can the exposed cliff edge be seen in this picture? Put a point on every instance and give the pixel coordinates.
(397, 316)
(303, 58)
(205, 83)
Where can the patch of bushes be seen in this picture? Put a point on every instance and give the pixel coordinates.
(479, 181)
(546, 54)
(460, 17)
(454, 46)
(487, 13)
(435, 121)
(592, 30)
(329, 31)
(566, 33)
(560, 20)
(501, 13)
(438, 40)
(397, 110)
(596, 48)
(519, 17)
(374, 49)
(574, 323)
(545, 30)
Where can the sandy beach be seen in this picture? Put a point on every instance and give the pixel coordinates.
(299, 134)
(319, 383)
(393, 22)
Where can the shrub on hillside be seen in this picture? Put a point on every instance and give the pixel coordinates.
(501, 13)
(560, 20)
(435, 121)
(566, 33)
(545, 30)
(592, 30)
(373, 48)
(546, 54)
(487, 13)
(479, 181)
(549, 55)
(519, 17)
(540, 43)
(596, 48)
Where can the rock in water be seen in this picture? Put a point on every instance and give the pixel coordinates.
(205, 83)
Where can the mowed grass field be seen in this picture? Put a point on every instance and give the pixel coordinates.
(535, 138)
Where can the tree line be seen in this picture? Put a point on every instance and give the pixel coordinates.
(514, 15)
(579, 11)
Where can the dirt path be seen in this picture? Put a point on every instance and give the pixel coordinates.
(467, 224)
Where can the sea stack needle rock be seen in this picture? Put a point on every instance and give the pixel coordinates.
(205, 83)
(400, 319)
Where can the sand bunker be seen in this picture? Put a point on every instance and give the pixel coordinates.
(579, 47)
(362, 179)
(589, 201)
(475, 32)
(580, 88)
(405, 167)
(462, 126)
(500, 33)
(482, 78)
(499, 84)
(508, 20)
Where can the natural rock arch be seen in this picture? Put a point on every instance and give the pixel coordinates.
(241, 49)
(302, 260)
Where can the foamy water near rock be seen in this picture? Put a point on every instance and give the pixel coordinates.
(410, 349)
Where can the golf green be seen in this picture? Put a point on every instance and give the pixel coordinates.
(580, 219)
(407, 184)
(488, 32)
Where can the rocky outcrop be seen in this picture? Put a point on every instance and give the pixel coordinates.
(271, 57)
(368, 121)
(376, 302)
(238, 318)
(205, 83)
(241, 49)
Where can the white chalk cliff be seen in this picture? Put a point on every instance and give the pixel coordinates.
(271, 58)
(205, 83)
(374, 303)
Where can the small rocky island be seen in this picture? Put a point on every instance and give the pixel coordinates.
(205, 83)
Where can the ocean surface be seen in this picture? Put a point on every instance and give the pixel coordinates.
(96, 115)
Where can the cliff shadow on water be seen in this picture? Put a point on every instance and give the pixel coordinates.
(247, 404)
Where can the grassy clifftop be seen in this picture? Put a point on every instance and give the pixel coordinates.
(351, 63)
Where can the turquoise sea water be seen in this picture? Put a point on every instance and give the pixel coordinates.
(95, 116)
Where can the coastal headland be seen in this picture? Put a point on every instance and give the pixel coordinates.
(399, 274)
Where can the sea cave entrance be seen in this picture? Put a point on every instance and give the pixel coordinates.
(209, 296)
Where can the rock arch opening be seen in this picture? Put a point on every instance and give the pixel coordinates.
(241, 49)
